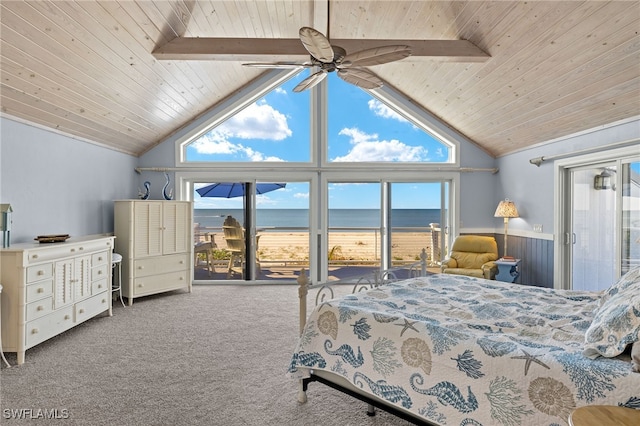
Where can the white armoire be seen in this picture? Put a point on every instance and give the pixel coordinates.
(155, 241)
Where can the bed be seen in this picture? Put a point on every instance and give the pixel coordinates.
(455, 350)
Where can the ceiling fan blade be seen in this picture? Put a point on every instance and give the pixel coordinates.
(377, 55)
(310, 81)
(360, 77)
(287, 65)
(316, 44)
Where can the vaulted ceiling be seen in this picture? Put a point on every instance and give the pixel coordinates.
(87, 68)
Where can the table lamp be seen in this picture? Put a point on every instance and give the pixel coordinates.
(506, 209)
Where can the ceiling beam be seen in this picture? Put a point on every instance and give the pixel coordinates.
(264, 49)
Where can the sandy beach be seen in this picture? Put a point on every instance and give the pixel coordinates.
(294, 246)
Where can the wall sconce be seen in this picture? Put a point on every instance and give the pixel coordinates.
(602, 181)
(506, 209)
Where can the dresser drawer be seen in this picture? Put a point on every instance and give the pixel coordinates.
(39, 272)
(160, 265)
(39, 290)
(158, 283)
(43, 328)
(99, 286)
(100, 272)
(91, 307)
(99, 258)
(39, 308)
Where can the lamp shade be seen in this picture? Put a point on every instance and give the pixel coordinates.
(506, 208)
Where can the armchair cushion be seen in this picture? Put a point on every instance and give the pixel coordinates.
(472, 255)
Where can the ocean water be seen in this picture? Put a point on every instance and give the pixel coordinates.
(338, 218)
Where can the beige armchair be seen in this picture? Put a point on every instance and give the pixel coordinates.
(472, 255)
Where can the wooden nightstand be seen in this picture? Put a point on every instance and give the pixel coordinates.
(508, 270)
(604, 415)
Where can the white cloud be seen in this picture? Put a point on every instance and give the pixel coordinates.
(367, 147)
(382, 110)
(257, 121)
(304, 195)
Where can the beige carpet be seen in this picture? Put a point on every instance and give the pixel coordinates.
(217, 356)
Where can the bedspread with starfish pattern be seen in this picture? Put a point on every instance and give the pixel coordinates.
(458, 350)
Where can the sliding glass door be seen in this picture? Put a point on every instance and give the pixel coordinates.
(418, 214)
(373, 225)
(593, 237)
(599, 221)
(250, 231)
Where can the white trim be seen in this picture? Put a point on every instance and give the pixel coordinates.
(225, 109)
(562, 264)
(61, 133)
(423, 119)
(574, 135)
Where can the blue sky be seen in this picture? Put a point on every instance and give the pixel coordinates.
(360, 129)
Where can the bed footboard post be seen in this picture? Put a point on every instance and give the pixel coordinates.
(303, 282)
(423, 263)
(302, 294)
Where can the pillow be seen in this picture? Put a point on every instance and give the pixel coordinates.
(631, 277)
(616, 323)
(635, 357)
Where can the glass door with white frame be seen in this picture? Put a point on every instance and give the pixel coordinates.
(250, 231)
(630, 193)
(418, 216)
(593, 234)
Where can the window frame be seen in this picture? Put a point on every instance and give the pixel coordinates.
(267, 82)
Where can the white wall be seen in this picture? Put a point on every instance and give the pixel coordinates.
(57, 184)
(60, 185)
(532, 188)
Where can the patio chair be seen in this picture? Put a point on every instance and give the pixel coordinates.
(472, 255)
(235, 239)
(205, 248)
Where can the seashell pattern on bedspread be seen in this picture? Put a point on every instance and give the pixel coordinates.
(462, 350)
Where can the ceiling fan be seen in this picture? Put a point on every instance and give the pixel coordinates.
(349, 67)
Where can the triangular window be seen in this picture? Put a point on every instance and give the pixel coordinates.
(361, 127)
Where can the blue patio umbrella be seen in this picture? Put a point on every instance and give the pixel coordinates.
(235, 189)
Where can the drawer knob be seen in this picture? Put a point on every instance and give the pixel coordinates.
(140, 267)
(81, 311)
(40, 272)
(140, 285)
(99, 272)
(73, 250)
(100, 259)
(35, 256)
(40, 290)
(104, 300)
(34, 331)
(40, 308)
(99, 285)
(182, 262)
(67, 317)
(181, 278)
(81, 248)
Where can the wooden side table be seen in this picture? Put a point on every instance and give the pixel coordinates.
(508, 270)
(604, 415)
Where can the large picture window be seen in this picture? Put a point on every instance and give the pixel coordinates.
(361, 173)
(278, 127)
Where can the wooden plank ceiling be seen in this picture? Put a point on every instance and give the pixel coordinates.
(86, 68)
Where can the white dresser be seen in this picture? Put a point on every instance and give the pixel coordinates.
(155, 241)
(50, 288)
